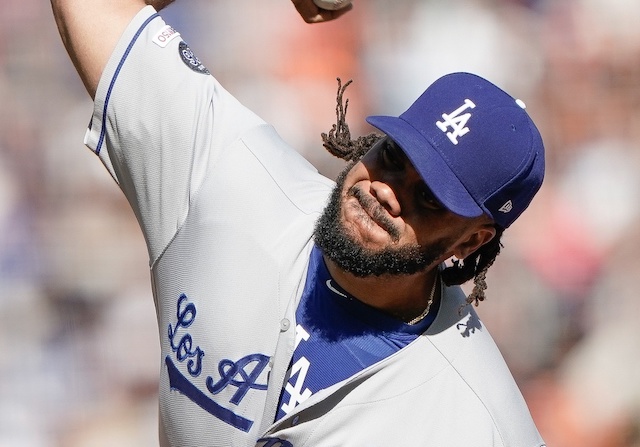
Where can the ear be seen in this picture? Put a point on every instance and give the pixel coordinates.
(474, 241)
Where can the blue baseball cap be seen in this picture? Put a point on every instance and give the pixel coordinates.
(474, 145)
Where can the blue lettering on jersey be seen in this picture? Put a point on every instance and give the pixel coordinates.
(180, 383)
(242, 374)
(229, 371)
(184, 348)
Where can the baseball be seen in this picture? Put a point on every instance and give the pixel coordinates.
(332, 5)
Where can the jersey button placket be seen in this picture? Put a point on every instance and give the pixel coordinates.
(285, 324)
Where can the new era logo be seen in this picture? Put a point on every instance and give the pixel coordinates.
(507, 207)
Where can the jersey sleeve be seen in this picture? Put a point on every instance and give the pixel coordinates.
(160, 119)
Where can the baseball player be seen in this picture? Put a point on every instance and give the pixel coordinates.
(292, 310)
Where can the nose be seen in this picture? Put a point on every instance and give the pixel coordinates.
(386, 196)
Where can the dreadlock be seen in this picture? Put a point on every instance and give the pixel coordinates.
(340, 144)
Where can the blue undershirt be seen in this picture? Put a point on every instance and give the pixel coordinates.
(338, 336)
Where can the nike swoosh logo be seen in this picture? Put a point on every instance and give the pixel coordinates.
(334, 290)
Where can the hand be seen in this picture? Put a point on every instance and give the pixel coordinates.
(312, 14)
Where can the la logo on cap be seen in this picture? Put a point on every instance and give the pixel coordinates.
(456, 121)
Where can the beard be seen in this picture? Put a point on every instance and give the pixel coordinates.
(350, 255)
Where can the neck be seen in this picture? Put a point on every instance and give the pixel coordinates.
(402, 296)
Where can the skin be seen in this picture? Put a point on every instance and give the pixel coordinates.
(393, 208)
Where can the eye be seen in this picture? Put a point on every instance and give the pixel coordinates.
(427, 200)
(390, 157)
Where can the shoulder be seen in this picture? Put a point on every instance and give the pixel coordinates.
(478, 375)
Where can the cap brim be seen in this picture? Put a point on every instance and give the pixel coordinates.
(429, 163)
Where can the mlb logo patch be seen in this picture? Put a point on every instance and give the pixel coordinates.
(191, 60)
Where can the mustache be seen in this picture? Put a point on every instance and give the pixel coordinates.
(376, 211)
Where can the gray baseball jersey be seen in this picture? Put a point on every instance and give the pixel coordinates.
(227, 210)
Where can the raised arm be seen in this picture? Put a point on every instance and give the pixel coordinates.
(90, 29)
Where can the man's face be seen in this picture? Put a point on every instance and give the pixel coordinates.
(383, 219)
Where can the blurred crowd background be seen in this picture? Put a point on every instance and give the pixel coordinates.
(78, 340)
